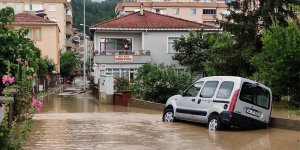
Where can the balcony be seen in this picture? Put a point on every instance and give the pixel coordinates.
(68, 19)
(69, 44)
(123, 56)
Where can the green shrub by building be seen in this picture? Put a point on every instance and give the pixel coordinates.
(158, 82)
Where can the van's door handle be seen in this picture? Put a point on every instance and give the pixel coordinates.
(193, 100)
(199, 101)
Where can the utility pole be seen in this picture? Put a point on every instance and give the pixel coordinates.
(84, 56)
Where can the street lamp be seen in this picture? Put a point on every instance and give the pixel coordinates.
(88, 51)
(84, 41)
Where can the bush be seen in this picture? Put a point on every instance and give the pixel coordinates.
(121, 84)
(158, 82)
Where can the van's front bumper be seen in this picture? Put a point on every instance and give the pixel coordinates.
(231, 118)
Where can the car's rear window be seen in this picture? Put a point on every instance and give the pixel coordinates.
(255, 94)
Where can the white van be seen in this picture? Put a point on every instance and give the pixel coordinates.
(222, 101)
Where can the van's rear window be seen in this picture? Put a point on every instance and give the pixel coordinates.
(256, 95)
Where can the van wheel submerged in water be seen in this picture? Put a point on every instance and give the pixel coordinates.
(168, 115)
(214, 123)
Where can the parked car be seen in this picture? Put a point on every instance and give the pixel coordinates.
(222, 101)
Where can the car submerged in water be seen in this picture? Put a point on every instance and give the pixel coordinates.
(222, 101)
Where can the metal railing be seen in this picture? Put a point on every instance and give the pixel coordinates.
(124, 52)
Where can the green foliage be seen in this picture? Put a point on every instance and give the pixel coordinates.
(246, 21)
(191, 51)
(121, 84)
(50, 63)
(19, 60)
(14, 43)
(211, 54)
(158, 82)
(68, 62)
(95, 12)
(279, 62)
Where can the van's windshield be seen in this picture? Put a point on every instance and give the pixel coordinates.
(256, 95)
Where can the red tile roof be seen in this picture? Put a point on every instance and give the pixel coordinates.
(30, 18)
(149, 20)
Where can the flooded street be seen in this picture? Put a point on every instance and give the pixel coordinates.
(81, 122)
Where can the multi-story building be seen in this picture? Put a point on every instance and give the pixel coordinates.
(59, 11)
(44, 33)
(123, 44)
(202, 11)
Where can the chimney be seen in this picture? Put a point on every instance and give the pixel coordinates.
(142, 9)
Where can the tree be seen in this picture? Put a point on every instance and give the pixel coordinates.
(209, 54)
(191, 51)
(68, 62)
(18, 66)
(14, 44)
(278, 64)
(246, 21)
(158, 82)
(95, 12)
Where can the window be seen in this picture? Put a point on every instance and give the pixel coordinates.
(52, 7)
(171, 44)
(114, 45)
(33, 7)
(160, 10)
(208, 89)
(17, 7)
(176, 11)
(225, 90)
(37, 34)
(193, 90)
(34, 34)
(256, 95)
(193, 11)
(30, 34)
(209, 11)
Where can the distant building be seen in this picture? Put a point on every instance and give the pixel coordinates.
(201, 11)
(44, 33)
(123, 44)
(59, 11)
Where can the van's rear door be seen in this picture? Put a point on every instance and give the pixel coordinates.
(254, 101)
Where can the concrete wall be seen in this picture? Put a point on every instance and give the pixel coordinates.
(145, 104)
(275, 122)
(157, 43)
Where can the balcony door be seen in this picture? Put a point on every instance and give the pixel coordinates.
(116, 46)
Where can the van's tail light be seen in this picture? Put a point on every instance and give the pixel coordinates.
(233, 100)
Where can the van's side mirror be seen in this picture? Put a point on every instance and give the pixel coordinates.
(180, 92)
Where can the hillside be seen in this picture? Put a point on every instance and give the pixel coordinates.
(95, 11)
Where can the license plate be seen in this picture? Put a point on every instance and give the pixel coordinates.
(252, 112)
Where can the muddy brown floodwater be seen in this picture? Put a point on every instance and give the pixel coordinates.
(81, 122)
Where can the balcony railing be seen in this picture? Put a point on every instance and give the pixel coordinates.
(123, 56)
(201, 1)
(125, 52)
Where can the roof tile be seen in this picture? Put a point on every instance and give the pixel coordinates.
(26, 17)
(150, 20)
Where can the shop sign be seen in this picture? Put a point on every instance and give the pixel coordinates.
(124, 58)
